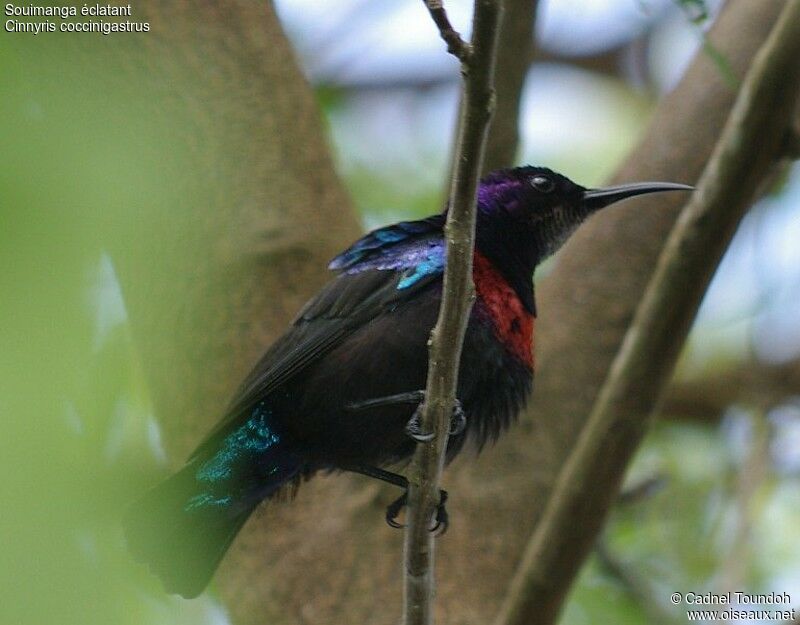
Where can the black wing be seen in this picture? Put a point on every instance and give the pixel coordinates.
(344, 305)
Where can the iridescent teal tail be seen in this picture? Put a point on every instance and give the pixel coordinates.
(183, 526)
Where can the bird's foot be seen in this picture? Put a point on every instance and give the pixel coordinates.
(414, 428)
(441, 520)
(458, 421)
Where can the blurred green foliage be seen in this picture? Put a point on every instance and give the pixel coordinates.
(77, 437)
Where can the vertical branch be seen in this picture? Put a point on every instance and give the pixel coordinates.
(457, 295)
(515, 50)
(751, 144)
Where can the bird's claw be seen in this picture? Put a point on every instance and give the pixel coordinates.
(414, 429)
(393, 511)
(458, 421)
(441, 520)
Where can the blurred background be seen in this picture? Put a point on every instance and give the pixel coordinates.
(713, 499)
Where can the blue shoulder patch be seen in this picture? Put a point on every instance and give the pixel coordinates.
(434, 264)
(415, 248)
(381, 241)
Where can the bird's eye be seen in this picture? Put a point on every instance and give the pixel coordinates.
(543, 184)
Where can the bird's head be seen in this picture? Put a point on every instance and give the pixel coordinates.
(538, 209)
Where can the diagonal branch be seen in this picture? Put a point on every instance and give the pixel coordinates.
(753, 383)
(455, 44)
(457, 295)
(751, 143)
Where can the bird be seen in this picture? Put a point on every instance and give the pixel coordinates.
(341, 389)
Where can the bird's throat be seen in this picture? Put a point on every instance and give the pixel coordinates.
(500, 304)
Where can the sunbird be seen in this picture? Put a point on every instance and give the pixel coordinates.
(341, 389)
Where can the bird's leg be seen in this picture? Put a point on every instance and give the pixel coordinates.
(458, 421)
(441, 519)
(411, 397)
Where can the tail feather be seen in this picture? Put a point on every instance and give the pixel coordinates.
(183, 527)
(182, 545)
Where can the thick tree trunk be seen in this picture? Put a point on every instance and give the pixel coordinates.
(213, 274)
(210, 282)
(257, 209)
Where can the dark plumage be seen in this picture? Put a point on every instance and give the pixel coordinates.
(363, 337)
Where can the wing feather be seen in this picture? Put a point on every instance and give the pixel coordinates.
(366, 289)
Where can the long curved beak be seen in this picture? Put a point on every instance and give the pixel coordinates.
(595, 199)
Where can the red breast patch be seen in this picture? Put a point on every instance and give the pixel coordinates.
(513, 324)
